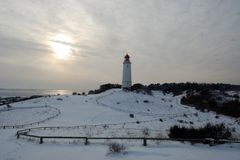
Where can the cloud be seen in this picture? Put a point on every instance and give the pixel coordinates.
(178, 40)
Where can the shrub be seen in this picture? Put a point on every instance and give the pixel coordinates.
(145, 132)
(146, 101)
(105, 126)
(104, 88)
(131, 115)
(74, 93)
(59, 99)
(140, 88)
(219, 98)
(233, 129)
(218, 131)
(180, 121)
(191, 87)
(208, 101)
(137, 86)
(236, 96)
(117, 148)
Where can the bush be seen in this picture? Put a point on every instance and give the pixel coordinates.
(74, 93)
(59, 99)
(205, 100)
(105, 126)
(146, 101)
(177, 88)
(218, 131)
(104, 88)
(180, 121)
(117, 148)
(131, 115)
(140, 88)
(236, 96)
(145, 132)
(137, 86)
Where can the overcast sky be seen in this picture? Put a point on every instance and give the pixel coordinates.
(168, 41)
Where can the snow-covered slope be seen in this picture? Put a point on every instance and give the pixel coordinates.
(107, 114)
(164, 107)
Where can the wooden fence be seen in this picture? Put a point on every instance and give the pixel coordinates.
(144, 139)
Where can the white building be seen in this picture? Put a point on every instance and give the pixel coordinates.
(127, 78)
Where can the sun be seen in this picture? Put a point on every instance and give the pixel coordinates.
(61, 46)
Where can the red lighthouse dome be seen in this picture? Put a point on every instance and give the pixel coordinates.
(127, 57)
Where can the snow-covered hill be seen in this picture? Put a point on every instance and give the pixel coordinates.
(164, 107)
(108, 114)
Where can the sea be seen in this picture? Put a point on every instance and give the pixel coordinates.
(31, 92)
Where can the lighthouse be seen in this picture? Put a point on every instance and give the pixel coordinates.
(127, 78)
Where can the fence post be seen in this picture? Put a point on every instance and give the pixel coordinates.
(144, 142)
(86, 141)
(41, 140)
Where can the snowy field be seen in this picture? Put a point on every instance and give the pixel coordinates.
(107, 114)
(17, 116)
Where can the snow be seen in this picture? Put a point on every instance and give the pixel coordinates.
(107, 114)
(232, 93)
(25, 115)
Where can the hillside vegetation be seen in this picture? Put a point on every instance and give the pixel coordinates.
(202, 96)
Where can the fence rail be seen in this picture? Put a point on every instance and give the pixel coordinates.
(144, 139)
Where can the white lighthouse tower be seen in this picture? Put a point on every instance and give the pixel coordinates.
(127, 78)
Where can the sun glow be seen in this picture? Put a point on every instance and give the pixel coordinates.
(61, 46)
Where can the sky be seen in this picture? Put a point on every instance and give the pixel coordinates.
(80, 44)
